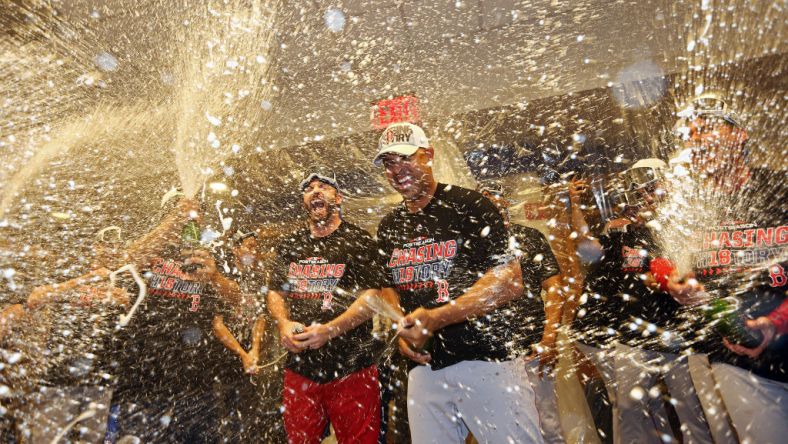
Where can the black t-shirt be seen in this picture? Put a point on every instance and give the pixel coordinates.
(168, 349)
(81, 327)
(741, 257)
(436, 254)
(320, 278)
(538, 263)
(619, 305)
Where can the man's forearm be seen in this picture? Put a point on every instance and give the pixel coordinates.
(553, 307)
(228, 289)
(358, 313)
(257, 334)
(277, 307)
(497, 287)
(226, 337)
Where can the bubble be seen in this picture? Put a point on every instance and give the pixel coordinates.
(266, 105)
(106, 62)
(165, 420)
(637, 393)
(334, 19)
(215, 121)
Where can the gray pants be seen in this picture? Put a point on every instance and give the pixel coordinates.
(546, 403)
(758, 407)
(492, 400)
(634, 379)
(51, 409)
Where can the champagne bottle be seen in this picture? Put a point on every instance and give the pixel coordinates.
(190, 240)
(729, 323)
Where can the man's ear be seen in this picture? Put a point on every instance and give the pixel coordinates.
(339, 198)
(430, 151)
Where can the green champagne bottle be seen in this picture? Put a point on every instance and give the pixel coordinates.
(728, 322)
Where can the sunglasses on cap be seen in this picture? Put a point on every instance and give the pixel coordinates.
(319, 173)
(241, 235)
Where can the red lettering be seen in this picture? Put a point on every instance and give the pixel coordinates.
(749, 234)
(737, 240)
(708, 240)
(451, 249)
(393, 260)
(339, 271)
(293, 270)
(157, 263)
(714, 262)
(725, 257)
(781, 235)
(725, 240)
(420, 255)
(764, 236)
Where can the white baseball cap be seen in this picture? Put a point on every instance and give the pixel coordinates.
(401, 138)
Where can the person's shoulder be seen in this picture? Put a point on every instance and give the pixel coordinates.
(463, 198)
(294, 236)
(525, 232)
(391, 218)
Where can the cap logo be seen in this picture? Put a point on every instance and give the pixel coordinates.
(399, 134)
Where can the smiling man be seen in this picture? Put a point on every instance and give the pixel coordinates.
(446, 258)
(322, 277)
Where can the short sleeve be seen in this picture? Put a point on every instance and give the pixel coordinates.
(383, 245)
(368, 270)
(538, 261)
(277, 278)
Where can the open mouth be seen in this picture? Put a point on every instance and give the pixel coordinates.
(403, 181)
(317, 204)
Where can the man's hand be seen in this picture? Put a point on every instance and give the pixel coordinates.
(250, 361)
(547, 354)
(767, 329)
(413, 355)
(314, 336)
(287, 332)
(206, 270)
(686, 290)
(417, 327)
(577, 188)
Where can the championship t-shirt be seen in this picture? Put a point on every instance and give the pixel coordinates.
(435, 255)
(538, 263)
(168, 349)
(618, 305)
(320, 277)
(741, 257)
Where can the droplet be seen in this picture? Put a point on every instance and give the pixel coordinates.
(106, 62)
(334, 19)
